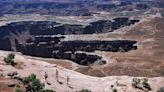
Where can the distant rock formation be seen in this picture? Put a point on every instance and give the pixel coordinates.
(69, 7)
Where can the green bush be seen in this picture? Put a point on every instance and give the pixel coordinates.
(84, 90)
(114, 90)
(28, 79)
(161, 89)
(47, 90)
(19, 90)
(10, 59)
(146, 85)
(141, 84)
(136, 83)
(33, 84)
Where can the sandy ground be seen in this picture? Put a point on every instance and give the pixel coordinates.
(73, 81)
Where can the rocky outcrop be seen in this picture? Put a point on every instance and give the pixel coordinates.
(13, 73)
(12, 83)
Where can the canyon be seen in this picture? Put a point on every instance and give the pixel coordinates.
(42, 37)
(80, 44)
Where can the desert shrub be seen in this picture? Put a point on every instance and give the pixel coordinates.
(33, 84)
(161, 89)
(46, 90)
(146, 85)
(28, 79)
(19, 90)
(114, 90)
(136, 83)
(141, 84)
(84, 90)
(10, 59)
(112, 86)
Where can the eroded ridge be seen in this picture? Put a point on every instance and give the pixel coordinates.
(54, 28)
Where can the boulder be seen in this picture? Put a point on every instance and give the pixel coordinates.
(18, 77)
(12, 83)
(13, 73)
(1, 73)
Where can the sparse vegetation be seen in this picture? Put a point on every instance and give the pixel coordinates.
(10, 59)
(84, 90)
(141, 84)
(33, 84)
(47, 90)
(112, 86)
(161, 89)
(146, 85)
(136, 83)
(19, 90)
(115, 90)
